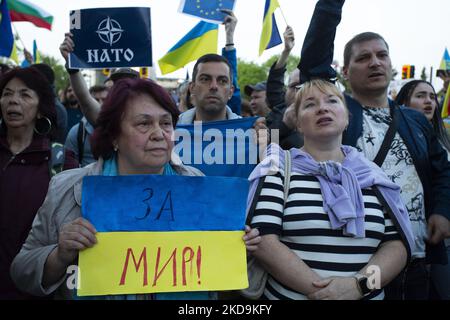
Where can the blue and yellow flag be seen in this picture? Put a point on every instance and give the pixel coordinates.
(36, 54)
(14, 56)
(6, 35)
(445, 62)
(270, 37)
(446, 105)
(202, 39)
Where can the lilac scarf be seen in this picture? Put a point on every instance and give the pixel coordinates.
(341, 186)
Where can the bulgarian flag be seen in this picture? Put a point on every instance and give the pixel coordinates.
(24, 10)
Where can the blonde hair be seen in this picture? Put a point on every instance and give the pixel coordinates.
(323, 86)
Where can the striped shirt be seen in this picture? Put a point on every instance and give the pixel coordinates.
(304, 227)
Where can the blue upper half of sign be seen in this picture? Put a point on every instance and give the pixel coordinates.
(164, 203)
(111, 37)
(221, 148)
(207, 9)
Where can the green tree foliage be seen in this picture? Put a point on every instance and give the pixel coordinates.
(61, 75)
(251, 72)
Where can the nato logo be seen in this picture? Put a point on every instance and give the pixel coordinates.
(109, 31)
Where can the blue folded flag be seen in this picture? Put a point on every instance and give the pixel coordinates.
(219, 148)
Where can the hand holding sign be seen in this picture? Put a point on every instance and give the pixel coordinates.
(74, 237)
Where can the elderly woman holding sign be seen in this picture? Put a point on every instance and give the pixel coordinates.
(333, 226)
(133, 136)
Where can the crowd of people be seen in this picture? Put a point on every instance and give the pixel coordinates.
(351, 201)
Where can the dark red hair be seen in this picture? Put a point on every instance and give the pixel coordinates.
(114, 107)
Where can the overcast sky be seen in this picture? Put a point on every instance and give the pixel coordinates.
(417, 31)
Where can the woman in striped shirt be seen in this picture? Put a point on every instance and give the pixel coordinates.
(343, 232)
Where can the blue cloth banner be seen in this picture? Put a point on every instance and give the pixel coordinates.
(164, 203)
(207, 9)
(110, 38)
(6, 34)
(219, 148)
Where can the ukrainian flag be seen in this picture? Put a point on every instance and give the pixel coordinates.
(445, 62)
(446, 104)
(270, 37)
(14, 57)
(36, 54)
(202, 39)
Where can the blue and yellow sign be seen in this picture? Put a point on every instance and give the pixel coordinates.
(163, 234)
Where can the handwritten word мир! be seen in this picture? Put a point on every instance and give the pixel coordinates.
(187, 255)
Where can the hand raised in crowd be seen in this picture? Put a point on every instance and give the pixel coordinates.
(28, 56)
(230, 22)
(73, 237)
(67, 46)
(251, 238)
(289, 39)
(336, 288)
(438, 228)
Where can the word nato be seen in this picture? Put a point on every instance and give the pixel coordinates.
(101, 55)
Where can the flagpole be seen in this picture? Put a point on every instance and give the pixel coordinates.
(21, 41)
(282, 14)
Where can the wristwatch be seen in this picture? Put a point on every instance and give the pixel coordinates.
(363, 284)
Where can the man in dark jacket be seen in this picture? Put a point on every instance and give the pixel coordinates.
(414, 159)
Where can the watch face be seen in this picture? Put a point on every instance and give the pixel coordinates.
(363, 284)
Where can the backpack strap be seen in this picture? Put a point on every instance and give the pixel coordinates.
(81, 137)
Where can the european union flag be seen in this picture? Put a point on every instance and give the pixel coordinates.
(207, 9)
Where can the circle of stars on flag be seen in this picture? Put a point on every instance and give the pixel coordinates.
(206, 12)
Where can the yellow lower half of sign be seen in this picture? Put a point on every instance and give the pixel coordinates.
(146, 262)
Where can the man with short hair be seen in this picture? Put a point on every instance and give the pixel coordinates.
(78, 152)
(414, 159)
(210, 89)
(99, 93)
(258, 101)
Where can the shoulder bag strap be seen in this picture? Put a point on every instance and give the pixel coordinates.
(382, 153)
(287, 174)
